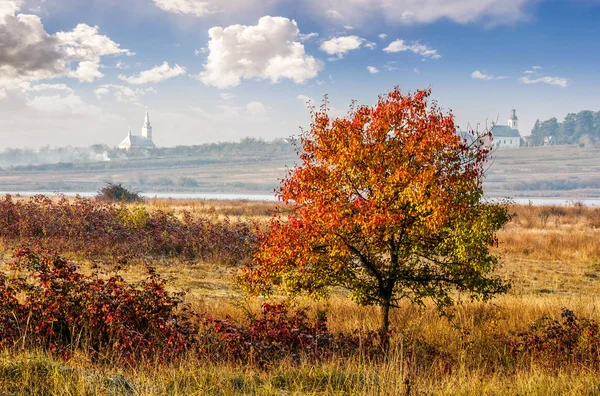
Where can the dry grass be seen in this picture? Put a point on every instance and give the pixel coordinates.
(551, 254)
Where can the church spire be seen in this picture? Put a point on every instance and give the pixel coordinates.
(513, 121)
(147, 119)
(147, 128)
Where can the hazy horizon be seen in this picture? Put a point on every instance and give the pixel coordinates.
(80, 73)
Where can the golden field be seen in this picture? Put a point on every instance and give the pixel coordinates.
(550, 254)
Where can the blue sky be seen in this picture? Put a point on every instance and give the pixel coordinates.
(80, 72)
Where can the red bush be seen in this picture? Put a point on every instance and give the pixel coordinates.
(52, 306)
(64, 310)
(573, 340)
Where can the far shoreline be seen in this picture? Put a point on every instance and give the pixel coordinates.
(537, 201)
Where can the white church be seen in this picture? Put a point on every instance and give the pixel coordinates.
(139, 142)
(507, 136)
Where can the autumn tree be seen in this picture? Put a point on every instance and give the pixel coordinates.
(387, 203)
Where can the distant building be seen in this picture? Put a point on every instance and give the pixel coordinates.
(139, 142)
(507, 136)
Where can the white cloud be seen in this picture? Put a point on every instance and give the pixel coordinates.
(340, 46)
(420, 49)
(372, 69)
(535, 76)
(9, 7)
(370, 45)
(334, 15)
(561, 82)
(306, 37)
(122, 65)
(269, 51)
(86, 45)
(305, 99)
(478, 75)
(155, 75)
(87, 71)
(194, 7)
(226, 96)
(48, 87)
(254, 111)
(29, 53)
(203, 8)
(391, 66)
(122, 94)
(423, 11)
(383, 36)
(58, 105)
(257, 111)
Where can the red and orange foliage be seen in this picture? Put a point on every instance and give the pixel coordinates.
(50, 305)
(94, 229)
(388, 203)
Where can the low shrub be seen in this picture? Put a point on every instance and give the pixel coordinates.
(63, 310)
(115, 192)
(96, 229)
(50, 305)
(572, 340)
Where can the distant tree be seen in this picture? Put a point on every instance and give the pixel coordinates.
(566, 131)
(596, 130)
(584, 124)
(537, 134)
(387, 203)
(550, 127)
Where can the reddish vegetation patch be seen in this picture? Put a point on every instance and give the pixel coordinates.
(95, 229)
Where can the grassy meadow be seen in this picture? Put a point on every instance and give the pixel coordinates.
(550, 254)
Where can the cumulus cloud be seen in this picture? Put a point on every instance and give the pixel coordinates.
(423, 11)
(270, 51)
(29, 53)
(535, 76)
(419, 49)
(479, 75)
(340, 46)
(9, 7)
(372, 69)
(383, 36)
(155, 75)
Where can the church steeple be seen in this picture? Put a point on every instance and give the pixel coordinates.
(147, 128)
(513, 121)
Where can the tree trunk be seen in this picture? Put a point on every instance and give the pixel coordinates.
(385, 325)
(385, 316)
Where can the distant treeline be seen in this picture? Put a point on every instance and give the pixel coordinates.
(582, 128)
(17, 157)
